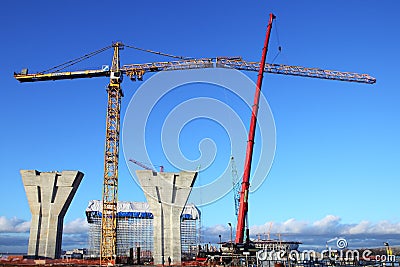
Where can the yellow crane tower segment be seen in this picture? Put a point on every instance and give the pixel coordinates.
(115, 94)
(111, 157)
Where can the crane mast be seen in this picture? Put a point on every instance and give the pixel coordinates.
(111, 156)
(235, 186)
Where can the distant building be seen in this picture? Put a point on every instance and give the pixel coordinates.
(135, 229)
(77, 253)
(276, 245)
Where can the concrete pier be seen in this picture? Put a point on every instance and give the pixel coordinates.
(167, 194)
(49, 195)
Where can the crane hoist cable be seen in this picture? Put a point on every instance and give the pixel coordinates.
(279, 43)
(76, 60)
(277, 54)
(156, 52)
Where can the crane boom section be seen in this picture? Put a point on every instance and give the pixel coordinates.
(171, 65)
(138, 70)
(242, 220)
(141, 165)
(297, 71)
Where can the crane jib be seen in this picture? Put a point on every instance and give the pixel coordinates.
(298, 71)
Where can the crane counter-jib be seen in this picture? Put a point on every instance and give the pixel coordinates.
(60, 75)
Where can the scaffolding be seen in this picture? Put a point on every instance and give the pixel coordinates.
(190, 226)
(135, 230)
(94, 235)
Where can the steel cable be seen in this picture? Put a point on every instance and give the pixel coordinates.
(156, 52)
(76, 60)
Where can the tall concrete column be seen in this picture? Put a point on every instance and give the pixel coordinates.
(49, 195)
(167, 194)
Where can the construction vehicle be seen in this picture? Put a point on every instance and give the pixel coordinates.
(136, 72)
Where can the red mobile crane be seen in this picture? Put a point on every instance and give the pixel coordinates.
(244, 193)
(242, 227)
(136, 72)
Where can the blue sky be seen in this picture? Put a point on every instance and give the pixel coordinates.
(337, 147)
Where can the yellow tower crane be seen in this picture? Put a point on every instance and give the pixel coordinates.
(136, 72)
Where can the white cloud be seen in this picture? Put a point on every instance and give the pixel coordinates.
(288, 226)
(382, 228)
(311, 233)
(14, 234)
(327, 221)
(76, 226)
(330, 224)
(217, 229)
(16, 225)
(360, 228)
(317, 233)
(292, 226)
(13, 225)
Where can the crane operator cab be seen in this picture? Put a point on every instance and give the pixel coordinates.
(116, 76)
